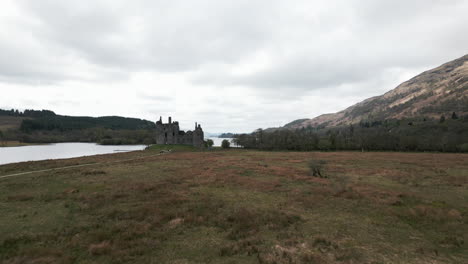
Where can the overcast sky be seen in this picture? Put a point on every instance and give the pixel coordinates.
(230, 65)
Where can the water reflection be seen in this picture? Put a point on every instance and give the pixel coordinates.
(60, 151)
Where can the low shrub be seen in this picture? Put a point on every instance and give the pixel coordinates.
(100, 248)
(316, 168)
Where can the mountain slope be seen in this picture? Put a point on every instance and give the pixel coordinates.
(433, 93)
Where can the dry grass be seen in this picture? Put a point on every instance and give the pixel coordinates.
(100, 248)
(238, 206)
(15, 144)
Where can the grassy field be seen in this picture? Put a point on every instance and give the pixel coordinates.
(237, 206)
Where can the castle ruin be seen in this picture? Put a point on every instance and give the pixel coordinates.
(168, 134)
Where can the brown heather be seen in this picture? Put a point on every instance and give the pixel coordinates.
(238, 206)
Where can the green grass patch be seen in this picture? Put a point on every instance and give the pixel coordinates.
(173, 148)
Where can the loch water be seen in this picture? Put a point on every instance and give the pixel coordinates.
(60, 151)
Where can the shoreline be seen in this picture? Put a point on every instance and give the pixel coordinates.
(9, 144)
(55, 151)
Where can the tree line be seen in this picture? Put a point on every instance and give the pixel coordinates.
(66, 123)
(44, 126)
(98, 135)
(447, 134)
(27, 113)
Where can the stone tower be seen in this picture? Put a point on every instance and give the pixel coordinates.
(198, 137)
(167, 133)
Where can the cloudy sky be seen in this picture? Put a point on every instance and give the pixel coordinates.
(230, 65)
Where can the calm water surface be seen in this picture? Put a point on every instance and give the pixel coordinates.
(217, 141)
(60, 151)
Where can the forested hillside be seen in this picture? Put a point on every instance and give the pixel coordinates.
(426, 113)
(448, 134)
(431, 94)
(44, 126)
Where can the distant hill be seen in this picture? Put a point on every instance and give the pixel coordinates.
(437, 92)
(31, 120)
(227, 135)
(45, 126)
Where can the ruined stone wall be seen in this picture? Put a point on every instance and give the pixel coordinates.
(171, 134)
(187, 139)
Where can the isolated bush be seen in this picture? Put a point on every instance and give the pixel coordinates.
(341, 185)
(100, 248)
(225, 144)
(454, 115)
(442, 119)
(463, 147)
(316, 168)
(209, 143)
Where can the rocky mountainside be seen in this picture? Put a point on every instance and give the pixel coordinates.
(440, 91)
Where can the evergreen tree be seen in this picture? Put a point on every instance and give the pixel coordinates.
(442, 119)
(454, 115)
(225, 144)
(209, 143)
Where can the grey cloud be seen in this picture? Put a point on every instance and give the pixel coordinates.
(297, 75)
(57, 103)
(357, 39)
(312, 48)
(160, 36)
(155, 98)
(367, 39)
